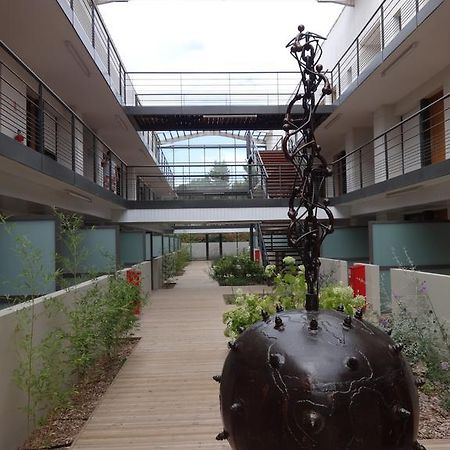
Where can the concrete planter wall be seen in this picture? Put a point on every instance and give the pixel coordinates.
(405, 285)
(13, 425)
(334, 271)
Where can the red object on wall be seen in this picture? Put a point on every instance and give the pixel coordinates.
(257, 255)
(19, 137)
(358, 280)
(134, 278)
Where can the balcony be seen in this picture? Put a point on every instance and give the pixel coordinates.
(405, 158)
(34, 116)
(388, 27)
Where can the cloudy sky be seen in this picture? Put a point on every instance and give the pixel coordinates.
(212, 35)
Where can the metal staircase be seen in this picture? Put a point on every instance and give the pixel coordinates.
(273, 235)
(280, 173)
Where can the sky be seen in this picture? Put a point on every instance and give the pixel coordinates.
(212, 35)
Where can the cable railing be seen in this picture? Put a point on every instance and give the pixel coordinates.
(107, 57)
(34, 116)
(224, 180)
(417, 141)
(386, 23)
(211, 88)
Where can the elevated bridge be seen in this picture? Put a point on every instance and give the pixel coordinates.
(163, 101)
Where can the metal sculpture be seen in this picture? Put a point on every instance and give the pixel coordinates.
(299, 144)
(311, 379)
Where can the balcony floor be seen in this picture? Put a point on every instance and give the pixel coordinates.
(164, 396)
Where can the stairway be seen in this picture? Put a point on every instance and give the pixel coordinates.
(280, 173)
(274, 234)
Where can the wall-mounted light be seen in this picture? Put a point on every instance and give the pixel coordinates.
(79, 196)
(78, 59)
(403, 191)
(403, 54)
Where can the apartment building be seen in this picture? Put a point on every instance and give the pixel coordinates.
(78, 133)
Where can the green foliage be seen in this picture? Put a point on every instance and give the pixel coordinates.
(99, 320)
(333, 296)
(289, 289)
(182, 259)
(169, 269)
(237, 270)
(425, 338)
(71, 237)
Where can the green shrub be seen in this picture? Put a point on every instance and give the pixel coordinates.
(237, 271)
(182, 259)
(100, 319)
(288, 292)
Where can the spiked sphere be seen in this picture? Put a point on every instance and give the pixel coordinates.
(317, 380)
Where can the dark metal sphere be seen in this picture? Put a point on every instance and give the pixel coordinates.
(317, 380)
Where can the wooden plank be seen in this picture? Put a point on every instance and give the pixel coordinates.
(164, 396)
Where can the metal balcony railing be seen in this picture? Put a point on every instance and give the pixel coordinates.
(417, 141)
(222, 180)
(211, 88)
(107, 57)
(386, 23)
(32, 114)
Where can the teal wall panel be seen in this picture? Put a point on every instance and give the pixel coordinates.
(148, 248)
(157, 245)
(101, 250)
(132, 248)
(37, 258)
(400, 244)
(349, 244)
(166, 244)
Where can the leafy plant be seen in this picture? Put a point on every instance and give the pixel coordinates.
(333, 296)
(100, 319)
(237, 270)
(182, 259)
(289, 289)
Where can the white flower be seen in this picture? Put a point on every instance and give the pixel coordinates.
(288, 260)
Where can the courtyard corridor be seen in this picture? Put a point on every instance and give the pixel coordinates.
(164, 397)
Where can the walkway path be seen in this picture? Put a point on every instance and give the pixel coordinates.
(164, 396)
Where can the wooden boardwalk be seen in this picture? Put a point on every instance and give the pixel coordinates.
(164, 397)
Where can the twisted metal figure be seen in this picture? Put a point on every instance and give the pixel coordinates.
(306, 232)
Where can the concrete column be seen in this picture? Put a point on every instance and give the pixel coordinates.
(383, 119)
(372, 286)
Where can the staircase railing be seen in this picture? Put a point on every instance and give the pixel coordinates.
(262, 245)
(255, 162)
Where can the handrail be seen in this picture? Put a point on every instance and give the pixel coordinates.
(40, 82)
(414, 142)
(388, 9)
(389, 130)
(262, 245)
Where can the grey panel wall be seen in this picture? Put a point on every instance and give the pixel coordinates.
(102, 254)
(27, 247)
(422, 244)
(132, 247)
(349, 244)
(157, 245)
